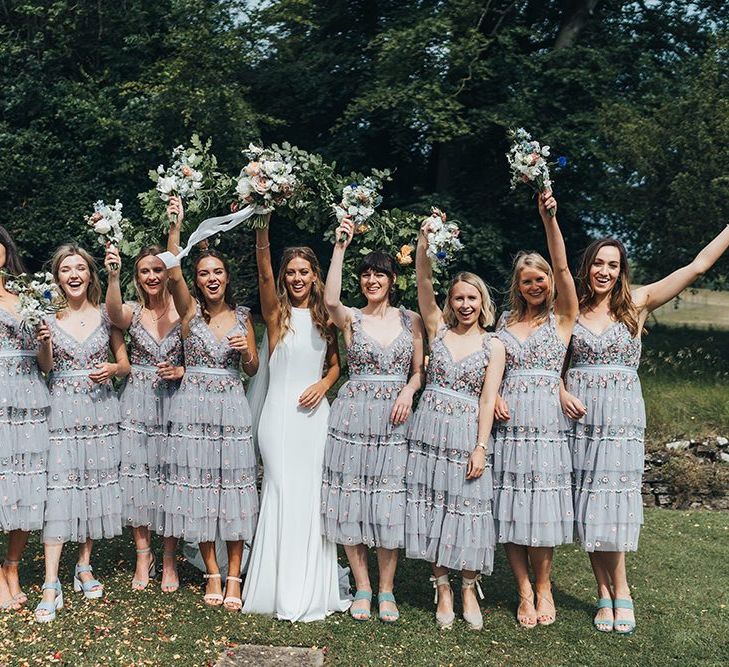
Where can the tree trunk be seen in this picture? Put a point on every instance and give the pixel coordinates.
(575, 19)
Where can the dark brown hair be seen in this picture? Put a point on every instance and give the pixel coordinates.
(227, 297)
(380, 262)
(13, 263)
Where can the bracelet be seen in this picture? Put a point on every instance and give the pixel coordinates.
(263, 247)
(249, 360)
(482, 445)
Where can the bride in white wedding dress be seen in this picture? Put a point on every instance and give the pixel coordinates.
(293, 571)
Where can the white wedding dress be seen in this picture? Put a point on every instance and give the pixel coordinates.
(292, 572)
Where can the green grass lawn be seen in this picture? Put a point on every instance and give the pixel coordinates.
(680, 580)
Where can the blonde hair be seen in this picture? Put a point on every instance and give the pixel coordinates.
(93, 292)
(142, 296)
(488, 313)
(517, 303)
(318, 310)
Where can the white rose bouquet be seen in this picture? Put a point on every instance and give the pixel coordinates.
(182, 178)
(443, 241)
(528, 164)
(359, 201)
(38, 296)
(108, 223)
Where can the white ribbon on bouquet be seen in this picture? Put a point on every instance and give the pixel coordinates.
(208, 228)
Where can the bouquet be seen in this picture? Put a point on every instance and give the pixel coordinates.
(528, 164)
(107, 221)
(38, 296)
(267, 181)
(359, 201)
(443, 240)
(183, 178)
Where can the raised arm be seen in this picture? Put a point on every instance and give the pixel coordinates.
(119, 313)
(427, 304)
(184, 302)
(487, 402)
(270, 306)
(656, 294)
(566, 306)
(339, 313)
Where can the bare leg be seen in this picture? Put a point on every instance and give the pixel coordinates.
(84, 558)
(232, 587)
(16, 545)
(445, 594)
(357, 556)
(170, 578)
(604, 590)
(516, 554)
(615, 565)
(144, 559)
(387, 565)
(214, 586)
(6, 598)
(52, 560)
(541, 560)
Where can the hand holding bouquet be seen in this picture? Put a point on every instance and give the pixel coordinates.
(38, 296)
(528, 164)
(359, 201)
(442, 237)
(109, 223)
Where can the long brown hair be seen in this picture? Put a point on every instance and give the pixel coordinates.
(317, 309)
(93, 291)
(227, 297)
(488, 312)
(517, 303)
(142, 296)
(13, 263)
(622, 307)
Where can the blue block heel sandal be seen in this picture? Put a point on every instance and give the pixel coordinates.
(361, 614)
(604, 624)
(48, 609)
(387, 616)
(92, 589)
(630, 625)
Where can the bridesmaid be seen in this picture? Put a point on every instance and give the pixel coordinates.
(157, 367)
(532, 467)
(24, 407)
(363, 490)
(208, 463)
(84, 498)
(603, 398)
(449, 519)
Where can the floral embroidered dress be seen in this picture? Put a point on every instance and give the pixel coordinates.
(84, 497)
(145, 407)
(363, 488)
(207, 462)
(449, 519)
(24, 407)
(607, 443)
(532, 465)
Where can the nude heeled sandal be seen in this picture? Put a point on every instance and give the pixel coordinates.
(443, 620)
(475, 620)
(212, 599)
(230, 602)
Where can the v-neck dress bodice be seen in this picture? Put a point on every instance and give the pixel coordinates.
(363, 488)
(449, 519)
(145, 406)
(607, 444)
(24, 407)
(84, 497)
(207, 462)
(532, 465)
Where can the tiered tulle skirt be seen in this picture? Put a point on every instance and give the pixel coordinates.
(208, 463)
(145, 407)
(24, 444)
(84, 498)
(532, 465)
(449, 519)
(363, 487)
(608, 456)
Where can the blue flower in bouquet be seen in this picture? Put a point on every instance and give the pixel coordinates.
(562, 161)
(48, 295)
(441, 255)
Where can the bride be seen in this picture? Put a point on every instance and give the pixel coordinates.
(293, 570)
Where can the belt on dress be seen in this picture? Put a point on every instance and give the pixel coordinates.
(230, 372)
(541, 372)
(146, 368)
(603, 367)
(9, 354)
(378, 378)
(71, 374)
(451, 392)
